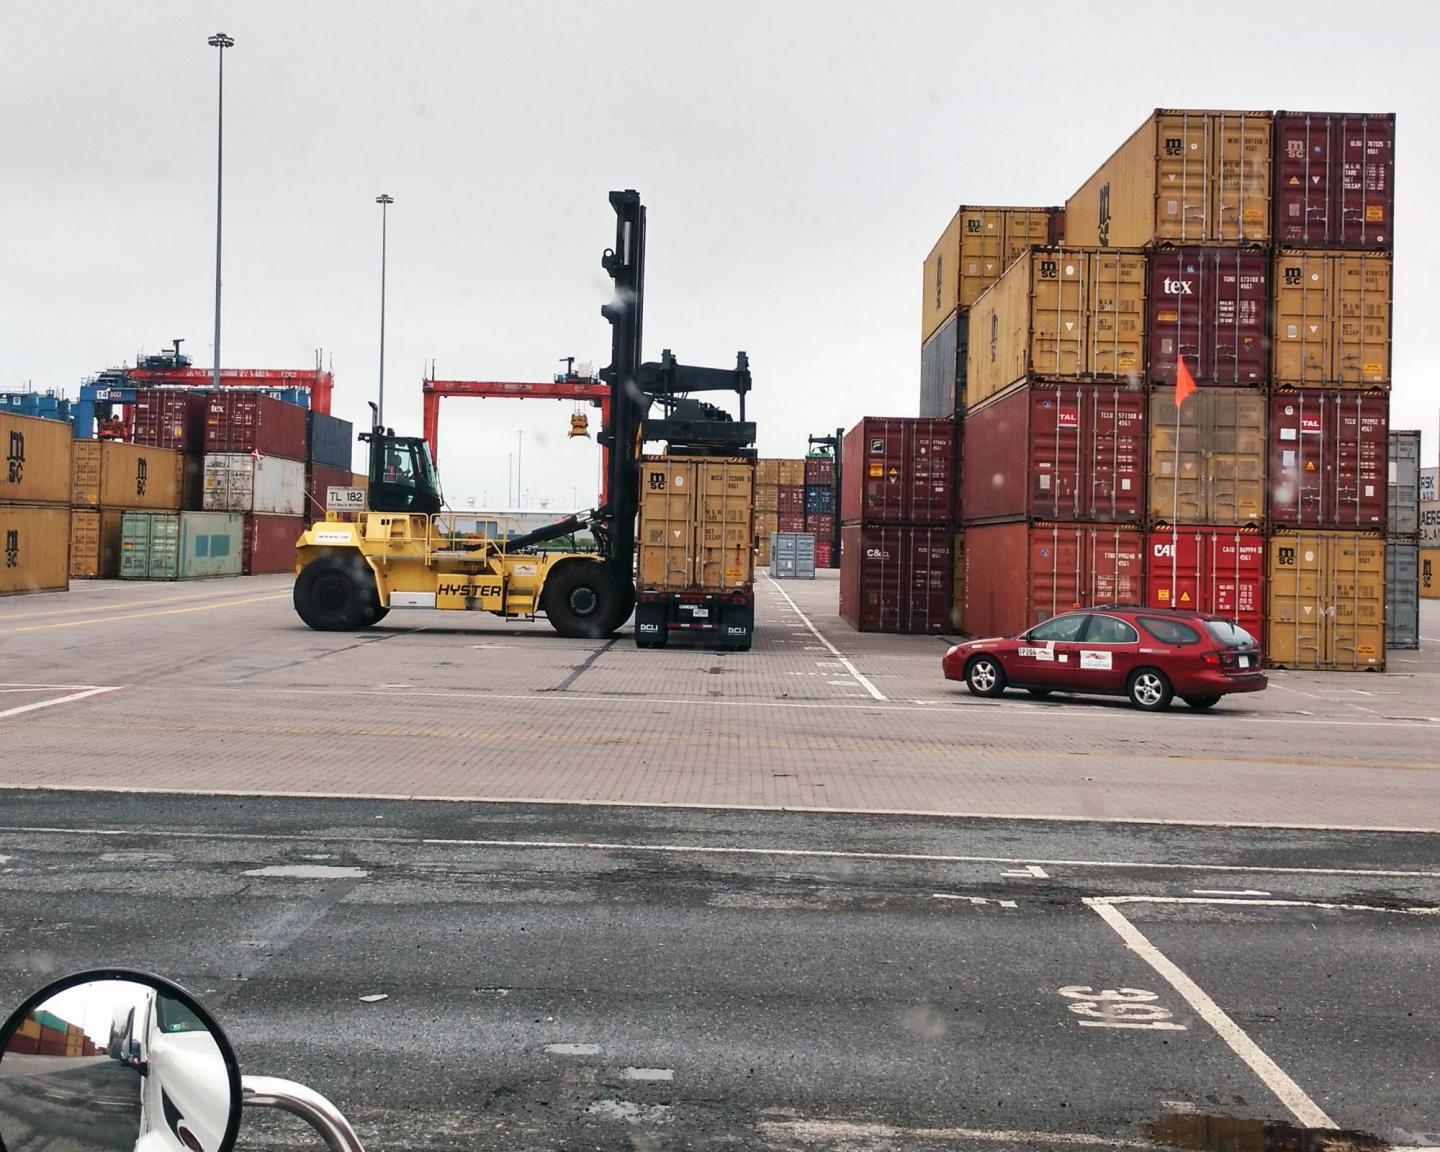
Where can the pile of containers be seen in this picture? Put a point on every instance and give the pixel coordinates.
(35, 486)
(1257, 247)
(897, 504)
(795, 495)
(112, 479)
(821, 507)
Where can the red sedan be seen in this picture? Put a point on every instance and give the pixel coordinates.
(1149, 655)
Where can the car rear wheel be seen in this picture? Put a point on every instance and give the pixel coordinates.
(984, 676)
(1149, 689)
(1200, 703)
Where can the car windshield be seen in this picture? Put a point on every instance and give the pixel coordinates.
(173, 1016)
(1229, 633)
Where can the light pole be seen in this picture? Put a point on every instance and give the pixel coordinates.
(509, 479)
(519, 447)
(220, 41)
(384, 201)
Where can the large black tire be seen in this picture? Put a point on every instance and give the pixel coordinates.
(337, 594)
(984, 676)
(1149, 690)
(586, 599)
(1200, 703)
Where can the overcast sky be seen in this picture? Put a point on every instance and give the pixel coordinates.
(798, 161)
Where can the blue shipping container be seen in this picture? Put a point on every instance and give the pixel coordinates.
(330, 441)
(819, 499)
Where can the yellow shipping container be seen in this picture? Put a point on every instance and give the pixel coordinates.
(767, 498)
(30, 1027)
(95, 543)
(34, 546)
(762, 551)
(1183, 177)
(1430, 573)
(767, 473)
(977, 246)
(1058, 314)
(1331, 319)
(697, 523)
(727, 522)
(1217, 473)
(1327, 601)
(791, 471)
(35, 466)
(111, 474)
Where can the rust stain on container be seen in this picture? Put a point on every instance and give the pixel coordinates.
(1332, 317)
(1327, 601)
(1209, 468)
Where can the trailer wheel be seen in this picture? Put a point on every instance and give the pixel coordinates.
(586, 600)
(337, 594)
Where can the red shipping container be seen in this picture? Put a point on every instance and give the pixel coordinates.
(791, 498)
(1211, 305)
(161, 418)
(249, 422)
(319, 477)
(1334, 179)
(820, 470)
(825, 553)
(1329, 459)
(1056, 452)
(896, 579)
(1219, 570)
(791, 522)
(269, 544)
(820, 523)
(1017, 575)
(898, 470)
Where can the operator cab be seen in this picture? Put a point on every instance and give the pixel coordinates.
(402, 475)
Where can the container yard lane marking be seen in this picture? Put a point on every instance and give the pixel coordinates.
(145, 615)
(858, 676)
(81, 693)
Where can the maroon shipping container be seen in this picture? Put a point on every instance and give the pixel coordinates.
(1017, 575)
(896, 578)
(820, 470)
(1334, 176)
(791, 522)
(825, 553)
(270, 543)
(1056, 452)
(29, 1045)
(898, 470)
(1219, 570)
(1329, 459)
(1212, 306)
(319, 477)
(250, 422)
(161, 418)
(791, 498)
(822, 524)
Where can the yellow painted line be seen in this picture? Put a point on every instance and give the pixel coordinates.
(5, 618)
(145, 615)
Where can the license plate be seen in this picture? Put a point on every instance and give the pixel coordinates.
(1244, 661)
(700, 612)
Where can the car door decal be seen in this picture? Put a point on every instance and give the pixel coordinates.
(1098, 660)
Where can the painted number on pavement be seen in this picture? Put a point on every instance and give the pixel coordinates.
(1119, 1008)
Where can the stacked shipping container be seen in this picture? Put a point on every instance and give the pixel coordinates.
(822, 508)
(109, 478)
(35, 484)
(1429, 535)
(1402, 543)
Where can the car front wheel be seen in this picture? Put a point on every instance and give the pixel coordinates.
(1149, 690)
(984, 676)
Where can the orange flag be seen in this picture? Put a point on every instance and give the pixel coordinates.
(1184, 382)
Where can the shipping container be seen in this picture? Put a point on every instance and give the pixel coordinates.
(1429, 484)
(942, 367)
(697, 524)
(112, 474)
(1214, 473)
(767, 498)
(896, 578)
(822, 524)
(1327, 601)
(249, 422)
(1429, 535)
(330, 440)
(243, 482)
(790, 522)
(957, 595)
(762, 551)
(825, 553)
(977, 245)
(1219, 570)
(168, 418)
(1403, 515)
(1017, 574)
(36, 465)
(791, 473)
(1334, 179)
(95, 543)
(767, 473)
(181, 545)
(1328, 459)
(35, 545)
(766, 523)
(819, 470)
(1183, 177)
(1058, 314)
(1430, 573)
(318, 480)
(819, 498)
(790, 498)
(1212, 306)
(792, 556)
(1331, 319)
(1402, 595)
(269, 543)
(1056, 452)
(898, 470)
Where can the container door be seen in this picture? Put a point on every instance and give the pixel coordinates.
(1176, 557)
(1298, 599)
(1365, 187)
(164, 547)
(1305, 171)
(1361, 296)
(1182, 186)
(1054, 450)
(1059, 305)
(135, 546)
(1115, 449)
(1356, 625)
(1234, 580)
(1241, 209)
(1302, 335)
(1300, 430)
(1235, 457)
(1361, 475)
(1116, 315)
(1402, 596)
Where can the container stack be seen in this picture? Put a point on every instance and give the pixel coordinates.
(1429, 535)
(329, 444)
(1402, 543)
(767, 508)
(897, 502)
(110, 478)
(35, 483)
(821, 507)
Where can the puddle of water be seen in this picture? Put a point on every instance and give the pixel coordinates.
(310, 872)
(1236, 1134)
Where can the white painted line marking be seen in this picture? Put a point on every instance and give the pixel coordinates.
(18, 709)
(573, 1049)
(1182, 1106)
(1415, 910)
(859, 679)
(1029, 871)
(847, 1133)
(976, 901)
(1228, 892)
(1305, 1110)
(653, 1074)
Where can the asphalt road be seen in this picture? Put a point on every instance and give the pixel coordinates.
(50, 1104)
(574, 977)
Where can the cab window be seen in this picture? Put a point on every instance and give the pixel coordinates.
(1059, 628)
(1230, 634)
(172, 1016)
(1110, 630)
(1175, 632)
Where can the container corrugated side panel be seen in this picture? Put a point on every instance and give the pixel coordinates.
(726, 523)
(1326, 601)
(667, 524)
(995, 558)
(1211, 305)
(1215, 472)
(319, 479)
(211, 544)
(1402, 595)
(138, 476)
(939, 370)
(34, 547)
(1403, 517)
(1331, 319)
(35, 457)
(269, 543)
(1327, 459)
(1430, 573)
(1334, 179)
(330, 440)
(941, 279)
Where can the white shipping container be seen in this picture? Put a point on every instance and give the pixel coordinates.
(241, 482)
(1428, 485)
